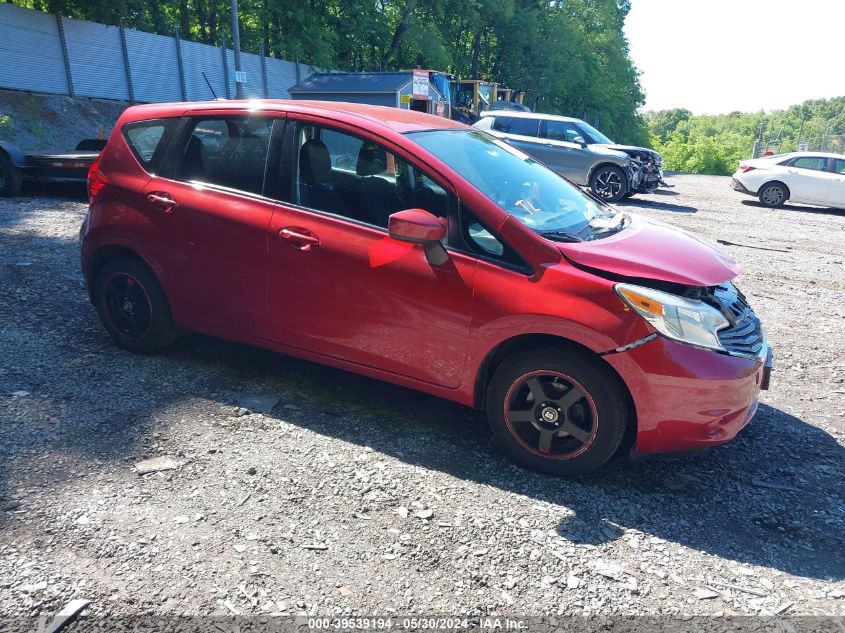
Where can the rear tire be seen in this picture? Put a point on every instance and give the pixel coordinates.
(132, 306)
(609, 183)
(11, 177)
(557, 411)
(773, 195)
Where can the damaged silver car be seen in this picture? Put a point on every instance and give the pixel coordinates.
(579, 152)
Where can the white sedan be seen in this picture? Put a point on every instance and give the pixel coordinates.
(809, 177)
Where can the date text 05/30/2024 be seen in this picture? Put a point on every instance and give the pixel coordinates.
(416, 623)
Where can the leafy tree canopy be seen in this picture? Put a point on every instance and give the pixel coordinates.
(570, 56)
(714, 144)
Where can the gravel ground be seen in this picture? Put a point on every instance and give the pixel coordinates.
(355, 497)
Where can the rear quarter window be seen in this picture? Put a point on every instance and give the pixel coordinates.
(146, 140)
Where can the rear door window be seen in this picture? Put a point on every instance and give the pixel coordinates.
(516, 125)
(230, 152)
(815, 163)
(502, 123)
(145, 140)
(525, 127)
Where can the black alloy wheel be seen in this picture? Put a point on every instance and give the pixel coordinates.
(132, 306)
(551, 414)
(609, 183)
(560, 411)
(128, 306)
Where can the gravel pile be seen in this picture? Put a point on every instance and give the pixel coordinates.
(279, 486)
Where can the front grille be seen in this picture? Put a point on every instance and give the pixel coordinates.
(745, 334)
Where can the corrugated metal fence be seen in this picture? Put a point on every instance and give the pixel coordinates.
(41, 52)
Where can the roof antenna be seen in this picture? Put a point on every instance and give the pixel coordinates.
(209, 86)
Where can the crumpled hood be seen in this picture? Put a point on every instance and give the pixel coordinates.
(655, 250)
(632, 149)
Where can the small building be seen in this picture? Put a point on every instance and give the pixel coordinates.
(421, 90)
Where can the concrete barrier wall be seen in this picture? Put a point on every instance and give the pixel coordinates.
(42, 52)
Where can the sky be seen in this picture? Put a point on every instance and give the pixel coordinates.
(717, 56)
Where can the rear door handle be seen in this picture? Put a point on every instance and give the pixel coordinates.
(163, 201)
(299, 238)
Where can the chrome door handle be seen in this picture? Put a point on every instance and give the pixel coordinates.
(163, 201)
(299, 238)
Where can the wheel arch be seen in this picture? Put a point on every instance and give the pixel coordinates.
(775, 182)
(626, 172)
(13, 173)
(106, 253)
(608, 163)
(15, 154)
(528, 342)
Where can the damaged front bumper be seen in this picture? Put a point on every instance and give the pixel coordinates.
(646, 176)
(687, 398)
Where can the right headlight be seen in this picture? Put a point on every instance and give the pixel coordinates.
(685, 320)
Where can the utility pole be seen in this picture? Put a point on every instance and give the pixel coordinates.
(236, 44)
(800, 134)
(755, 153)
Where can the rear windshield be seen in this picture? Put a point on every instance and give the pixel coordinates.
(145, 139)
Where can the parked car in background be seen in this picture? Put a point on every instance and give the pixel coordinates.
(428, 254)
(579, 152)
(18, 166)
(809, 177)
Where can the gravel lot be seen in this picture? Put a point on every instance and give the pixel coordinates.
(355, 497)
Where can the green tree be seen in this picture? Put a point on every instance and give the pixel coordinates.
(570, 56)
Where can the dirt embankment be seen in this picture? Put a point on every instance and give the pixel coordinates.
(54, 122)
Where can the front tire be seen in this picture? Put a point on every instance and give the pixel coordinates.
(559, 412)
(132, 306)
(609, 183)
(773, 195)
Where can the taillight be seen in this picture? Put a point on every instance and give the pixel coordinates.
(746, 168)
(96, 180)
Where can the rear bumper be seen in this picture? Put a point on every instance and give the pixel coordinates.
(687, 398)
(59, 167)
(738, 186)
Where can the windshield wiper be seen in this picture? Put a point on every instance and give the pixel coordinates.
(561, 236)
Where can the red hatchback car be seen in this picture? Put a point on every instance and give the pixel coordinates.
(417, 250)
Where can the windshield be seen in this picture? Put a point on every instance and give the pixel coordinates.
(524, 188)
(593, 135)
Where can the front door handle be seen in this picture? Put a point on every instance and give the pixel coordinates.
(299, 238)
(163, 201)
